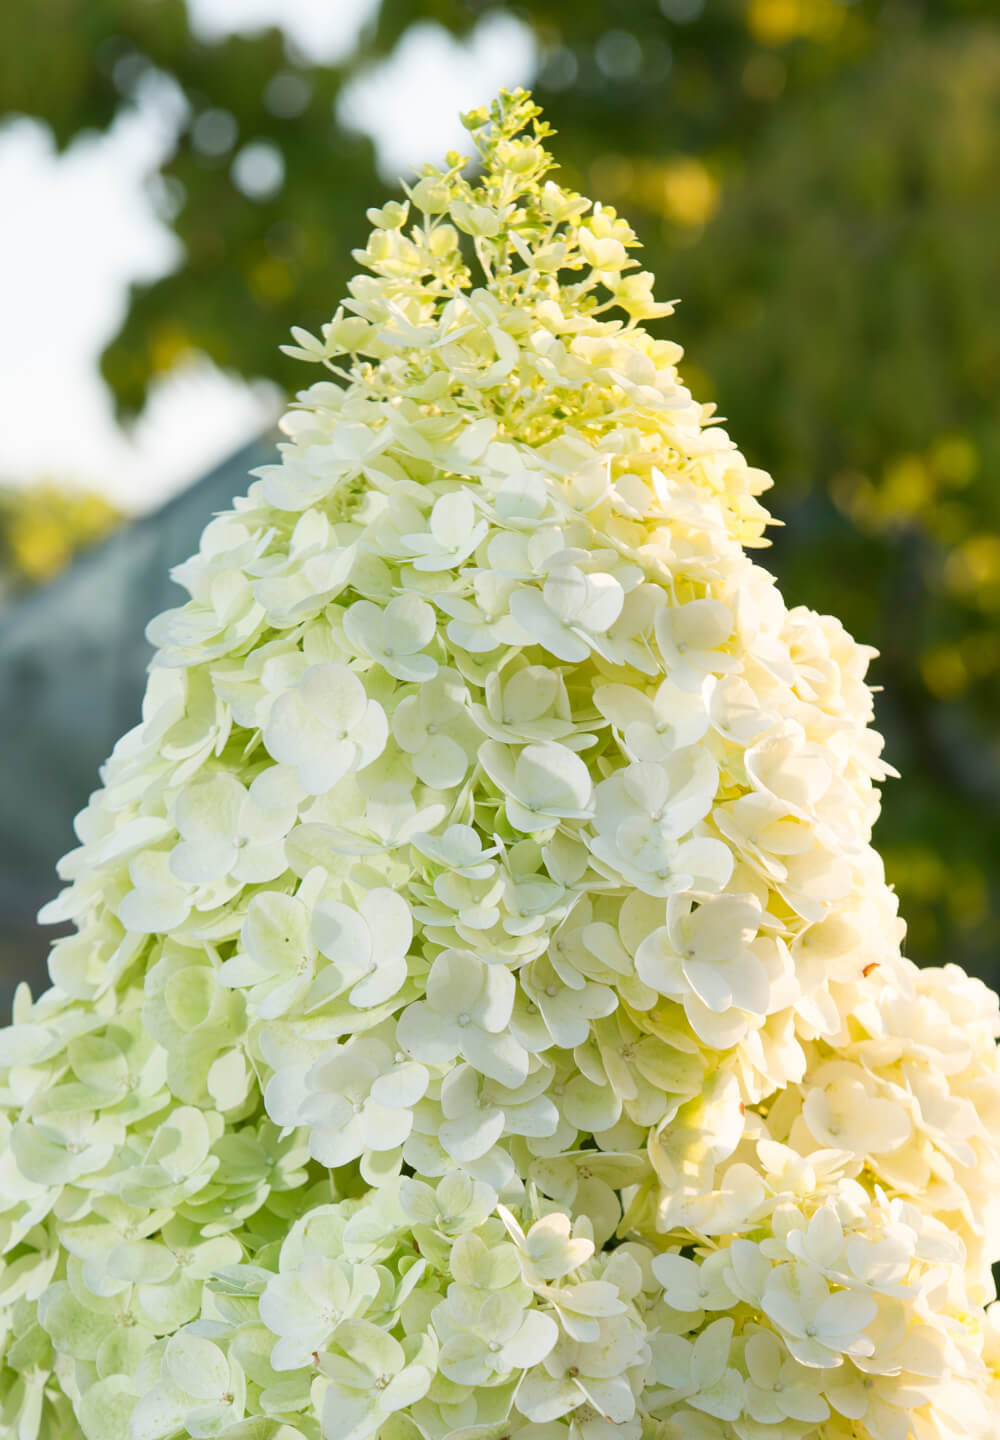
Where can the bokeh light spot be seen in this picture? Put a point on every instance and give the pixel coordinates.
(214, 132)
(259, 170)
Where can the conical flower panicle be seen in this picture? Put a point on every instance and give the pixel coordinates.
(486, 1013)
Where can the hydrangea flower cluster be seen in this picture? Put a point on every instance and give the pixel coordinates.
(486, 1013)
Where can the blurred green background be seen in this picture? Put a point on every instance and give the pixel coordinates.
(818, 180)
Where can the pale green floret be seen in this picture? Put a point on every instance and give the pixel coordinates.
(486, 1016)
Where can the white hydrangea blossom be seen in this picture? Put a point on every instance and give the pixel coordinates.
(486, 1012)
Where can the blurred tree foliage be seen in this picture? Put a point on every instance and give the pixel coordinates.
(820, 181)
(42, 527)
(255, 263)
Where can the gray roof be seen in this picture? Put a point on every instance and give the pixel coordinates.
(73, 660)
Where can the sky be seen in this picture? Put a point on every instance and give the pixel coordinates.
(80, 227)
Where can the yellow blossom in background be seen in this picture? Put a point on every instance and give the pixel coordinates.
(776, 22)
(973, 569)
(689, 195)
(43, 526)
(681, 188)
(944, 671)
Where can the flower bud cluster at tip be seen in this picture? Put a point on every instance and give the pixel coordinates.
(486, 1011)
